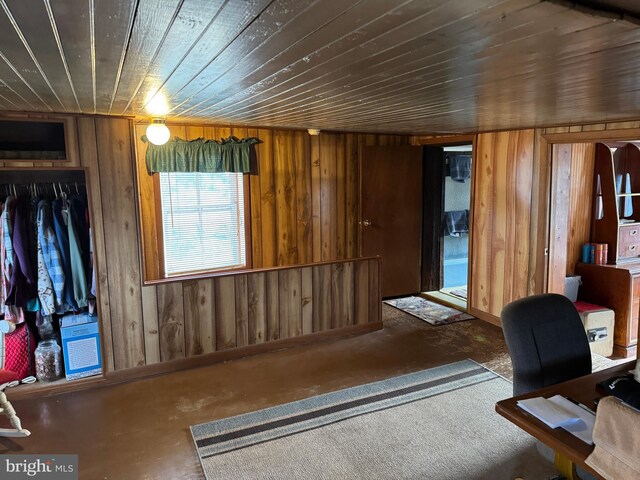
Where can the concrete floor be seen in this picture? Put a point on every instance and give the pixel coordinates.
(140, 430)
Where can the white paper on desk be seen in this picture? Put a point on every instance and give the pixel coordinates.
(551, 413)
(582, 429)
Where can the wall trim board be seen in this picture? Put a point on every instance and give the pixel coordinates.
(445, 139)
(204, 360)
(539, 235)
(559, 211)
(44, 115)
(249, 271)
(593, 136)
(236, 353)
(144, 122)
(485, 316)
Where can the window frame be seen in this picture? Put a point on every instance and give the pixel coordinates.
(202, 273)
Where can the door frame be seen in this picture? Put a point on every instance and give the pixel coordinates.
(555, 245)
(451, 141)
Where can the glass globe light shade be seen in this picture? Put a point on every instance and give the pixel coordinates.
(158, 133)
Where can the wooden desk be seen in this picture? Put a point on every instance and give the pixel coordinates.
(581, 390)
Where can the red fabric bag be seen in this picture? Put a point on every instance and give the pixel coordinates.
(19, 348)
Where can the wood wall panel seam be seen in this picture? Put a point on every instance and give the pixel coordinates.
(302, 162)
(306, 298)
(151, 326)
(255, 204)
(268, 199)
(481, 262)
(225, 313)
(352, 183)
(257, 308)
(242, 310)
(286, 201)
(171, 321)
(523, 195)
(272, 305)
(341, 197)
(499, 219)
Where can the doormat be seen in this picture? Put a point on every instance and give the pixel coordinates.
(459, 292)
(430, 312)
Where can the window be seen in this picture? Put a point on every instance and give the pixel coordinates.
(203, 222)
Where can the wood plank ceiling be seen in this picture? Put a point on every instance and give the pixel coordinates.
(405, 66)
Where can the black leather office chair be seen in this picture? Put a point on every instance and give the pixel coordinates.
(546, 341)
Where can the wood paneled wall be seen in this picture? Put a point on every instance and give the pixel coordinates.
(502, 263)
(303, 193)
(317, 178)
(303, 199)
(242, 309)
(150, 324)
(549, 203)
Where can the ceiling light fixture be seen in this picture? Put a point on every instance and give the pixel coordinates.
(313, 131)
(157, 132)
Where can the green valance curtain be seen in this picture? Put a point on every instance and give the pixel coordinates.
(200, 155)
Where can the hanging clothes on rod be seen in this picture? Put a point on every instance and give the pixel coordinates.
(46, 264)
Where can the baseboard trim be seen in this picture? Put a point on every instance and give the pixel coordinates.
(484, 316)
(620, 351)
(39, 389)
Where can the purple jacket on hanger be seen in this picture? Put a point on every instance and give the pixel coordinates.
(23, 285)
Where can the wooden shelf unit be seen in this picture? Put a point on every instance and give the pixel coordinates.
(612, 164)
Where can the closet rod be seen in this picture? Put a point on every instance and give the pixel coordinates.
(57, 187)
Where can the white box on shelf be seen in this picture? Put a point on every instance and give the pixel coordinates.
(80, 345)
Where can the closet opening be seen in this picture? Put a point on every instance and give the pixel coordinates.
(446, 223)
(49, 308)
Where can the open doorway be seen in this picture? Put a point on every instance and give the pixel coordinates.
(457, 202)
(594, 205)
(408, 194)
(446, 223)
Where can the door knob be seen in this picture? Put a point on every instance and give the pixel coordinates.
(365, 223)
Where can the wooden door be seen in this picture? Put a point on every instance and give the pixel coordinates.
(391, 214)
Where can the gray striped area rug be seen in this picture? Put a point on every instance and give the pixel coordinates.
(412, 426)
(241, 431)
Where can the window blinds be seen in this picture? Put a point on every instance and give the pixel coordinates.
(202, 221)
